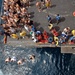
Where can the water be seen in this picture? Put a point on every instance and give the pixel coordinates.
(48, 61)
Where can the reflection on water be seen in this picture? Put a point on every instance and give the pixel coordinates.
(48, 61)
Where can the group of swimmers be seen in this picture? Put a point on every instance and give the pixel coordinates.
(20, 61)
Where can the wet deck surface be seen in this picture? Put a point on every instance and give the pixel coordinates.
(63, 7)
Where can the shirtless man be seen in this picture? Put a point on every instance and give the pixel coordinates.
(19, 62)
(38, 5)
(32, 58)
(8, 60)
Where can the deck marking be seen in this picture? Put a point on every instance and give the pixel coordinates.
(45, 11)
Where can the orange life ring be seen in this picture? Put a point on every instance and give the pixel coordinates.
(74, 13)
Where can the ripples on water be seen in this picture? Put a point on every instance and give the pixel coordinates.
(48, 61)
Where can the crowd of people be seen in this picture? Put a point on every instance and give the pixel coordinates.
(17, 19)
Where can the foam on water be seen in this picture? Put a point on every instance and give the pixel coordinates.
(1, 73)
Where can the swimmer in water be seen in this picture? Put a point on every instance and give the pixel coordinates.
(8, 59)
(19, 62)
(13, 59)
(32, 57)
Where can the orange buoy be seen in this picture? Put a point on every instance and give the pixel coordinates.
(74, 13)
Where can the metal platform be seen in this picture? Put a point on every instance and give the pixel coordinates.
(23, 44)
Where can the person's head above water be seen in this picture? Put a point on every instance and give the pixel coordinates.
(32, 57)
(19, 62)
(8, 59)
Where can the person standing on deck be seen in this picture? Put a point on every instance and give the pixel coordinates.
(38, 5)
(57, 18)
(25, 3)
(48, 3)
(49, 18)
(42, 2)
